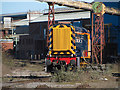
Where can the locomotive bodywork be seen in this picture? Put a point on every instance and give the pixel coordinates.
(61, 45)
(65, 44)
(83, 44)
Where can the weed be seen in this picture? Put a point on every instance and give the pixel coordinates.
(69, 76)
(81, 75)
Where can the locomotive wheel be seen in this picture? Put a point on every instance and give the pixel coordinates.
(49, 68)
(58, 67)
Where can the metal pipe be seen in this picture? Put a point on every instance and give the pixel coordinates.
(81, 5)
(92, 39)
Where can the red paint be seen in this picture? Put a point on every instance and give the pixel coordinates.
(98, 38)
(85, 53)
(6, 46)
(51, 18)
(66, 59)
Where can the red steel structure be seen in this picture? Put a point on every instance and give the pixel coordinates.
(32, 13)
(98, 38)
(51, 18)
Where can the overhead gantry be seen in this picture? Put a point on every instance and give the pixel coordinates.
(98, 9)
(80, 5)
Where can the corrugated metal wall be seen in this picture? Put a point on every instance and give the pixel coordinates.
(33, 46)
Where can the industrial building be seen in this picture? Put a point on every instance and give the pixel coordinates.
(7, 29)
(30, 30)
(39, 25)
(11, 30)
(38, 32)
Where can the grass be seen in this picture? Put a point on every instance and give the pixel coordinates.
(84, 76)
(9, 61)
(69, 76)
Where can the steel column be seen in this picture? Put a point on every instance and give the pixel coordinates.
(98, 39)
(51, 18)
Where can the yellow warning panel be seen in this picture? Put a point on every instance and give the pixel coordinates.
(62, 39)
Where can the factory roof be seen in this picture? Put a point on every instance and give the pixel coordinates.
(65, 16)
(23, 22)
(13, 14)
(58, 17)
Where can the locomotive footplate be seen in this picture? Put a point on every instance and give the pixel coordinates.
(61, 60)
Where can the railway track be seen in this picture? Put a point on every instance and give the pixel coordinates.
(16, 81)
(29, 77)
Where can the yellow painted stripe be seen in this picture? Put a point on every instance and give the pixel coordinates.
(50, 34)
(72, 51)
(57, 26)
(65, 26)
(73, 44)
(68, 52)
(86, 57)
(50, 45)
(61, 53)
(50, 52)
(51, 27)
(50, 39)
(55, 52)
(74, 47)
(72, 27)
(71, 39)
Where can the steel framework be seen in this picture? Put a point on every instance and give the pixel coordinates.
(51, 19)
(98, 38)
(81, 5)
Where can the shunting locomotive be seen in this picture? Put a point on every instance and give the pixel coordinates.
(62, 46)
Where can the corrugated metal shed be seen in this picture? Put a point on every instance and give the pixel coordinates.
(58, 17)
(21, 23)
(65, 16)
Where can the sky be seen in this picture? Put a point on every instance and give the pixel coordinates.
(18, 6)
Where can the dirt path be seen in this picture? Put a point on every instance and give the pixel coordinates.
(21, 68)
(105, 84)
(40, 84)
